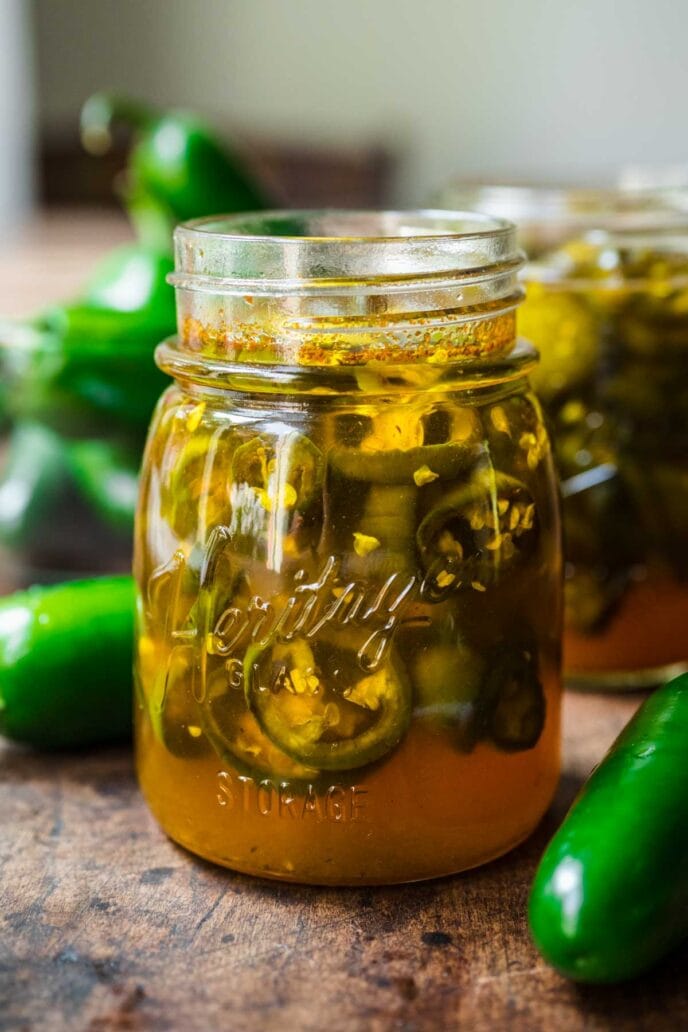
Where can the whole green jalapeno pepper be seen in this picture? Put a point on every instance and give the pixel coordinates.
(175, 159)
(610, 896)
(50, 485)
(107, 477)
(91, 359)
(65, 663)
(101, 344)
(133, 278)
(35, 484)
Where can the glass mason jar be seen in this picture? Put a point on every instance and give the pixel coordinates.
(347, 552)
(75, 421)
(607, 306)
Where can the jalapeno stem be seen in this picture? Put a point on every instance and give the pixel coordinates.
(102, 111)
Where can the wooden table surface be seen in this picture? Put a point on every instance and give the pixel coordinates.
(48, 260)
(106, 925)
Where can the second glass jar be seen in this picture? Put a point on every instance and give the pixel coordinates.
(607, 307)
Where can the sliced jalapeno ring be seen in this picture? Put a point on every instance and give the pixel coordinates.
(166, 664)
(593, 597)
(395, 466)
(354, 720)
(166, 689)
(403, 442)
(567, 332)
(237, 737)
(201, 466)
(514, 701)
(447, 680)
(482, 529)
(383, 542)
(288, 471)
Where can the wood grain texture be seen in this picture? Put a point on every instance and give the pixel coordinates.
(108, 926)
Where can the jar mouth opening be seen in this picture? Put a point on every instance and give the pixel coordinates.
(442, 280)
(343, 227)
(335, 251)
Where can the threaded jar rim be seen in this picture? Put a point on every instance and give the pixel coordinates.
(338, 251)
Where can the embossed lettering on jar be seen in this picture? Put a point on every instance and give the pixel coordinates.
(347, 552)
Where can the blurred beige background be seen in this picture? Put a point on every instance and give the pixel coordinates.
(542, 88)
(368, 101)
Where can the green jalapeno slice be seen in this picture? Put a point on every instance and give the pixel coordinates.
(447, 680)
(317, 704)
(602, 545)
(173, 710)
(566, 331)
(402, 445)
(196, 490)
(287, 472)
(513, 700)
(166, 664)
(237, 736)
(478, 531)
(383, 542)
(277, 482)
(397, 466)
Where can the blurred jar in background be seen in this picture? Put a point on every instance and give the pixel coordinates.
(653, 177)
(607, 305)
